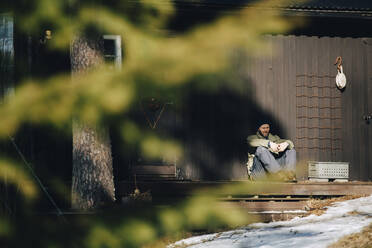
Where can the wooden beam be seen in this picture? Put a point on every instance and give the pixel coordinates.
(154, 170)
(184, 188)
(266, 206)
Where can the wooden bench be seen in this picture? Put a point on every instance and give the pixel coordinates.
(154, 172)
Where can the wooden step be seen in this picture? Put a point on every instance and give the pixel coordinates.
(267, 205)
(154, 172)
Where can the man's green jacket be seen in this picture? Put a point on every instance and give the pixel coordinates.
(257, 140)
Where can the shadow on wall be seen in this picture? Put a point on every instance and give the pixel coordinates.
(214, 128)
(211, 122)
(211, 125)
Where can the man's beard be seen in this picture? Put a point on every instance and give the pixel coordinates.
(263, 134)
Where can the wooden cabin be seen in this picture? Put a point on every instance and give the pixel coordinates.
(293, 85)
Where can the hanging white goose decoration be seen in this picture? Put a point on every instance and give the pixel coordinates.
(340, 78)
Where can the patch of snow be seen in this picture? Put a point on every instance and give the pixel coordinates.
(341, 219)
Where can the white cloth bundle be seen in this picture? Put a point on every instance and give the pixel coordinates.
(340, 79)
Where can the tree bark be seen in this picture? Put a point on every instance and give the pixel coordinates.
(92, 172)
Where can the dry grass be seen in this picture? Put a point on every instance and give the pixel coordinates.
(356, 240)
(318, 207)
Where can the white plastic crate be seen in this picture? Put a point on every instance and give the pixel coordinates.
(328, 170)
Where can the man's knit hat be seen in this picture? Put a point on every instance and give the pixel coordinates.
(262, 121)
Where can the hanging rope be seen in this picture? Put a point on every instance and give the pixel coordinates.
(153, 125)
(339, 63)
(59, 212)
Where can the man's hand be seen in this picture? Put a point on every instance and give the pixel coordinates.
(274, 147)
(283, 146)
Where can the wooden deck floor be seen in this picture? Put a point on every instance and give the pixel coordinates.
(253, 197)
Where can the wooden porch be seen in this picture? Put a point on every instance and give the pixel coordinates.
(256, 197)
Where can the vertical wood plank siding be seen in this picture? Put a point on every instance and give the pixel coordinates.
(347, 105)
(296, 56)
(368, 44)
(292, 66)
(298, 71)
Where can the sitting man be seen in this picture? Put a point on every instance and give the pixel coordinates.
(273, 157)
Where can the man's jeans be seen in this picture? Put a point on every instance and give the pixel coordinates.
(264, 161)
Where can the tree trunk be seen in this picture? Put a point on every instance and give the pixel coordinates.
(92, 173)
